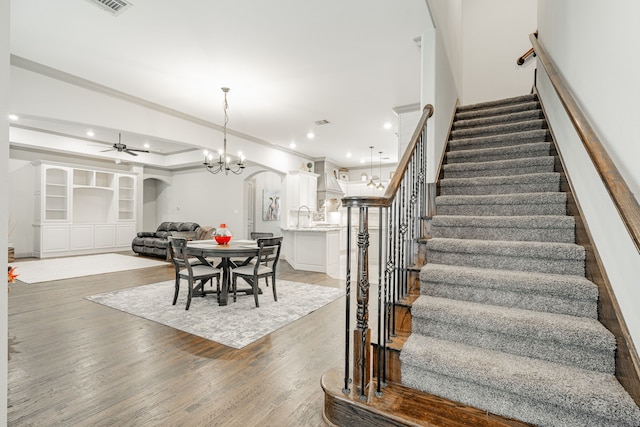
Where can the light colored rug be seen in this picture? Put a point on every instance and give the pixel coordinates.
(46, 270)
(236, 324)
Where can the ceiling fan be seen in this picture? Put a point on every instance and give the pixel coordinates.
(120, 147)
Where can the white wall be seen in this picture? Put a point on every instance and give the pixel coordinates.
(590, 42)
(150, 189)
(482, 40)
(21, 215)
(4, 193)
(439, 90)
(495, 34)
(198, 196)
(447, 17)
(270, 182)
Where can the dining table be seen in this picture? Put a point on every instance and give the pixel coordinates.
(233, 254)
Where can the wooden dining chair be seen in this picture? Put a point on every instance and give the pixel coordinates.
(255, 235)
(264, 267)
(191, 270)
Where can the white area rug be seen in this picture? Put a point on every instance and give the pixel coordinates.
(236, 324)
(46, 270)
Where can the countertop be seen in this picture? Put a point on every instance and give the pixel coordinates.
(323, 228)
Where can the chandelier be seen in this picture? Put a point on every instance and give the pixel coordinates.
(224, 162)
(371, 178)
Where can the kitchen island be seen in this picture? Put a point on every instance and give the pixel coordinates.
(313, 248)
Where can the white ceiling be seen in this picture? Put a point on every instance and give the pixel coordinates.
(288, 63)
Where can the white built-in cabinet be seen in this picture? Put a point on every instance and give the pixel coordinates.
(301, 190)
(82, 210)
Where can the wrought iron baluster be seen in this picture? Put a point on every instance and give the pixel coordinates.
(362, 332)
(346, 389)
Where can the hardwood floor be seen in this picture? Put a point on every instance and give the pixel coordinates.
(73, 362)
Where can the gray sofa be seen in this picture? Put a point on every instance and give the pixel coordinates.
(154, 243)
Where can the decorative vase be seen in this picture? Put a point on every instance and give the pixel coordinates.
(222, 235)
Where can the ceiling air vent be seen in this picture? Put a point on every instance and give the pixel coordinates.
(321, 122)
(114, 7)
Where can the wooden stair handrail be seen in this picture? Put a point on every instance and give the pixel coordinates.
(622, 196)
(526, 56)
(394, 184)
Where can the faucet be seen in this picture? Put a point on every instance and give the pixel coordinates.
(299, 209)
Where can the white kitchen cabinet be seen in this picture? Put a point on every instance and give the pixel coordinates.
(82, 210)
(313, 249)
(302, 190)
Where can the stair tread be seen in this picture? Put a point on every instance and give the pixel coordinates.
(499, 128)
(503, 152)
(496, 164)
(560, 328)
(500, 180)
(497, 111)
(498, 102)
(503, 118)
(523, 221)
(576, 287)
(538, 135)
(569, 387)
(554, 250)
(503, 199)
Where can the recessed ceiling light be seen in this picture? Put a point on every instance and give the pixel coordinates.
(90, 133)
(146, 145)
(310, 135)
(387, 125)
(362, 160)
(292, 145)
(348, 154)
(13, 117)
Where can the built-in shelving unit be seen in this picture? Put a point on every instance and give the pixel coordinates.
(82, 210)
(126, 198)
(56, 195)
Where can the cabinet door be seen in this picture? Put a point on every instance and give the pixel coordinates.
(311, 192)
(125, 234)
(105, 236)
(55, 238)
(81, 237)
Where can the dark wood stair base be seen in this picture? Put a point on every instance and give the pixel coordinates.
(400, 406)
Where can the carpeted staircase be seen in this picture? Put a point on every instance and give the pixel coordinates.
(506, 321)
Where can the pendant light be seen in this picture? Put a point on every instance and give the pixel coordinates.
(380, 187)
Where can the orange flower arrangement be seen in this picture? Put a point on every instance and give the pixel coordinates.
(11, 275)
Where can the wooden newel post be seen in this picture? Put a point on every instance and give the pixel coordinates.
(362, 334)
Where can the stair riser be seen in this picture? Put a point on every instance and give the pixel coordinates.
(499, 120)
(496, 400)
(524, 345)
(479, 190)
(500, 262)
(494, 130)
(503, 210)
(521, 152)
(497, 172)
(565, 235)
(498, 111)
(505, 298)
(499, 141)
(499, 103)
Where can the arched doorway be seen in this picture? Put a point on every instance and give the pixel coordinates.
(262, 195)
